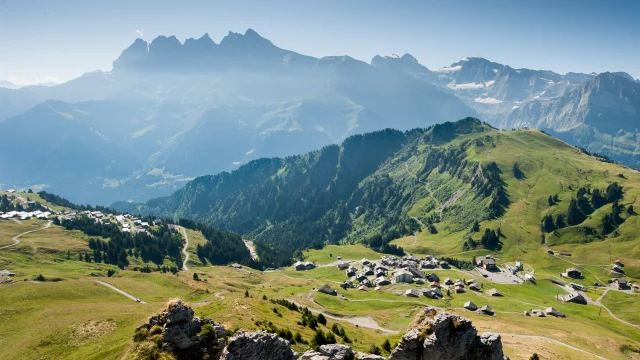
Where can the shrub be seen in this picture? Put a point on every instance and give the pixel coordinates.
(140, 334)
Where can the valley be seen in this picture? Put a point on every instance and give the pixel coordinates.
(239, 296)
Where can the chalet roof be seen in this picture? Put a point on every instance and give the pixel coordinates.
(494, 292)
(327, 289)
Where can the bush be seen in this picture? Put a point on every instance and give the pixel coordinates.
(140, 334)
(374, 349)
(322, 320)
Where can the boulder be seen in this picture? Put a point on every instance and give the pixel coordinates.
(444, 336)
(363, 356)
(313, 355)
(337, 351)
(257, 345)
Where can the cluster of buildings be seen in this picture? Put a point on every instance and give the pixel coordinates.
(550, 311)
(366, 274)
(25, 215)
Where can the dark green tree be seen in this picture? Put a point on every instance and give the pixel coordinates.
(386, 345)
(547, 224)
(321, 319)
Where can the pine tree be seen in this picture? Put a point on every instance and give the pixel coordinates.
(534, 357)
(476, 226)
(555, 198)
(321, 319)
(386, 345)
(246, 293)
(630, 210)
(559, 223)
(550, 201)
(547, 224)
(573, 214)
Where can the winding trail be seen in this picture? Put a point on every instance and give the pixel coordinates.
(361, 321)
(120, 291)
(219, 294)
(599, 303)
(553, 341)
(15, 238)
(184, 249)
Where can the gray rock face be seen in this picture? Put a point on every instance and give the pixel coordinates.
(432, 336)
(313, 355)
(179, 312)
(180, 331)
(257, 345)
(444, 336)
(337, 351)
(363, 356)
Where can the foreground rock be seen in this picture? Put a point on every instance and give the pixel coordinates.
(443, 336)
(257, 345)
(176, 333)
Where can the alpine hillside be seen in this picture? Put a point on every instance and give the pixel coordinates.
(464, 187)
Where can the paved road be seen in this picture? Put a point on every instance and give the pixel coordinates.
(118, 290)
(553, 341)
(15, 238)
(184, 249)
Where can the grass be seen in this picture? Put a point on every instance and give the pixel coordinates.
(78, 318)
(623, 305)
(347, 252)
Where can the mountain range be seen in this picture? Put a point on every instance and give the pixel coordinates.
(170, 111)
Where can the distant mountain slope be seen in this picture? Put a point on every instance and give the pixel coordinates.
(602, 116)
(384, 185)
(14, 102)
(51, 143)
(187, 109)
(489, 87)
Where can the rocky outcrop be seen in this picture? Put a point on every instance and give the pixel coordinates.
(330, 352)
(258, 345)
(432, 336)
(443, 336)
(176, 330)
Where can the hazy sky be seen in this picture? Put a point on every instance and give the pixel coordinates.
(46, 39)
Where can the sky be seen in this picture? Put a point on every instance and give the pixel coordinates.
(44, 41)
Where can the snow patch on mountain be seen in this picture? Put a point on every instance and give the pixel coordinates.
(487, 100)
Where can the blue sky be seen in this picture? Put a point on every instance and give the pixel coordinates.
(62, 39)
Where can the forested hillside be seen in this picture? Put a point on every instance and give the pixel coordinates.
(448, 183)
(361, 190)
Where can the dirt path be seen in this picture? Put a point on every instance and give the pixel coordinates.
(219, 294)
(553, 341)
(361, 321)
(184, 249)
(120, 291)
(599, 303)
(15, 238)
